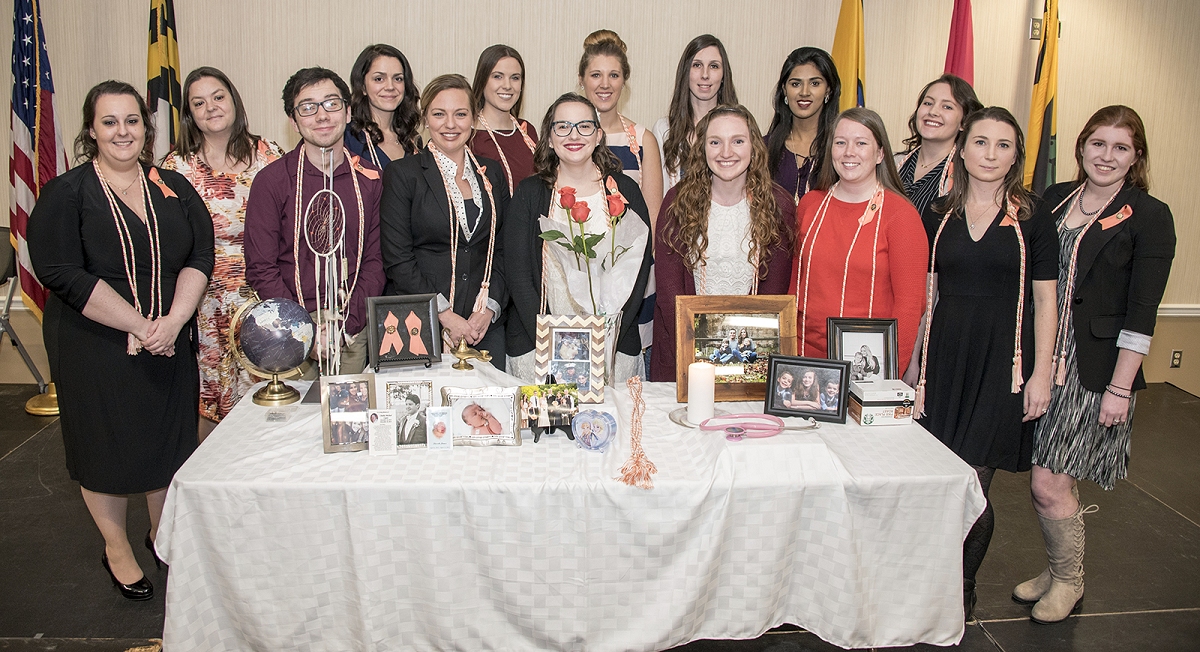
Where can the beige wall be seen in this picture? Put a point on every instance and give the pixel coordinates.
(1141, 54)
(1175, 333)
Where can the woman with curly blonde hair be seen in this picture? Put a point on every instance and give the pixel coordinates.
(726, 229)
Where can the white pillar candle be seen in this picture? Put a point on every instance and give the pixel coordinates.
(701, 391)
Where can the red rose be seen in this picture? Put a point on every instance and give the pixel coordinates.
(566, 197)
(579, 212)
(616, 205)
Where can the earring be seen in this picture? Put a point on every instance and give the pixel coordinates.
(826, 100)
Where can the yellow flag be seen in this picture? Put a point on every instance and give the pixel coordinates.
(848, 54)
(164, 96)
(1040, 140)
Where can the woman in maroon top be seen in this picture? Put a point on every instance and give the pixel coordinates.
(500, 134)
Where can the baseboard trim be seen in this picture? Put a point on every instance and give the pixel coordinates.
(1179, 310)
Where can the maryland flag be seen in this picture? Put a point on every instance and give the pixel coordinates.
(848, 54)
(1043, 108)
(164, 96)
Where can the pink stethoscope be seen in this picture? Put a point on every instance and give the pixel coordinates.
(752, 425)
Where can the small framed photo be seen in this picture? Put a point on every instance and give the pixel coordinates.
(735, 333)
(483, 416)
(409, 399)
(570, 348)
(403, 330)
(807, 387)
(869, 345)
(548, 406)
(346, 402)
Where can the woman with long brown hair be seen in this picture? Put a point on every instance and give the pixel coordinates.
(727, 228)
(500, 133)
(925, 165)
(1116, 244)
(806, 106)
(383, 106)
(990, 316)
(703, 81)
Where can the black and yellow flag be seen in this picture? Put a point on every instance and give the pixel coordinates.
(1043, 108)
(164, 96)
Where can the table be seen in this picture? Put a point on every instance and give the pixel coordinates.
(853, 533)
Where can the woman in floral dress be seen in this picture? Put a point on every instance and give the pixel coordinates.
(216, 152)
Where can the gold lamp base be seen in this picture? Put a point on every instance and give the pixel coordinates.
(44, 405)
(276, 393)
(464, 353)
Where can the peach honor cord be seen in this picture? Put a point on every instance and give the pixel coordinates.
(1018, 379)
(458, 220)
(325, 237)
(946, 181)
(638, 468)
(631, 135)
(874, 209)
(504, 159)
(127, 252)
(1060, 341)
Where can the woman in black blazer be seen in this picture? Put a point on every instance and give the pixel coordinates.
(1115, 252)
(572, 169)
(440, 224)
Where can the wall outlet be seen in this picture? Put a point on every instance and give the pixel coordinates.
(1035, 29)
(1176, 358)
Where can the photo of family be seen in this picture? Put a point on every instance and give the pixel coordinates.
(869, 345)
(571, 344)
(544, 406)
(345, 402)
(576, 373)
(808, 387)
(737, 344)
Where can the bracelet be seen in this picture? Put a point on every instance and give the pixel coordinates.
(1127, 389)
(1109, 389)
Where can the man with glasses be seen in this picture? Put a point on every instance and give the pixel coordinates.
(317, 243)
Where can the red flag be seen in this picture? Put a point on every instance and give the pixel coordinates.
(38, 152)
(960, 52)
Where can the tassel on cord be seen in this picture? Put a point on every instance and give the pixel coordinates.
(638, 468)
(481, 299)
(919, 403)
(1060, 374)
(1017, 379)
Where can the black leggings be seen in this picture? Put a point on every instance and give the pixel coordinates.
(980, 536)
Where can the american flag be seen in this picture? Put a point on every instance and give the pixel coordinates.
(38, 153)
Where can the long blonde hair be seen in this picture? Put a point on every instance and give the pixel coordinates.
(686, 221)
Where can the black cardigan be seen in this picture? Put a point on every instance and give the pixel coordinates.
(1120, 276)
(414, 230)
(523, 264)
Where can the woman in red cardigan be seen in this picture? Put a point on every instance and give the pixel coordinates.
(725, 229)
(863, 250)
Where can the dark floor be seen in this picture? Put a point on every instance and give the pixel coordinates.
(1143, 553)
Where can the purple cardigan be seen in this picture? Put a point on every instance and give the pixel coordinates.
(672, 278)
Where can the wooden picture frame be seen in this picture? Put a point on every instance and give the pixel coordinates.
(774, 315)
(785, 398)
(571, 349)
(849, 336)
(398, 325)
(345, 418)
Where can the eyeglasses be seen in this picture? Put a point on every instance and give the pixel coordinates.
(562, 128)
(331, 105)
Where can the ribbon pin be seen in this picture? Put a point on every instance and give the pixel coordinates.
(415, 345)
(391, 336)
(1116, 218)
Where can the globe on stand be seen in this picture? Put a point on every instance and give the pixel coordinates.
(272, 338)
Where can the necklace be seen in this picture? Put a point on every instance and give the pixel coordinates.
(1079, 202)
(974, 222)
(517, 126)
(128, 255)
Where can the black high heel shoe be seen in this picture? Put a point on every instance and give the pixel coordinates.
(139, 590)
(158, 563)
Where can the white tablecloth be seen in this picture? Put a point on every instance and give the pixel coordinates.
(853, 533)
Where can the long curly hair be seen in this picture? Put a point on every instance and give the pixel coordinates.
(679, 116)
(686, 221)
(781, 123)
(545, 161)
(1014, 180)
(406, 117)
(963, 94)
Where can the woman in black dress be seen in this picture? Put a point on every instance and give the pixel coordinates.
(987, 352)
(126, 250)
(1117, 244)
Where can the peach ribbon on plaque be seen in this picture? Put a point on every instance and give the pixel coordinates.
(391, 336)
(157, 180)
(415, 345)
(1116, 218)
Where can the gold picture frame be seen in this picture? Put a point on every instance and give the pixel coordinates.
(768, 320)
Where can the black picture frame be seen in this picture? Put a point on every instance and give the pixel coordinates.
(782, 401)
(388, 348)
(846, 334)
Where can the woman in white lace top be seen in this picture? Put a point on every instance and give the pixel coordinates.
(726, 229)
